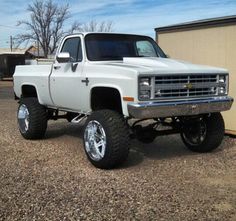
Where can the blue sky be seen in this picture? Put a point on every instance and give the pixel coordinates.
(128, 16)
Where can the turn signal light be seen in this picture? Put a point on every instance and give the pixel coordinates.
(128, 98)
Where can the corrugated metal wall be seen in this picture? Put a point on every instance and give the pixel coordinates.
(214, 46)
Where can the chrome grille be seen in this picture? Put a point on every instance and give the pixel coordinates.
(181, 86)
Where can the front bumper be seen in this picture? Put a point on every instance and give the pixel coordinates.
(179, 108)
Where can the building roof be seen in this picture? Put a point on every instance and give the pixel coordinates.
(34, 51)
(14, 51)
(204, 23)
(21, 51)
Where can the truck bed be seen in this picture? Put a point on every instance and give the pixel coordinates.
(37, 76)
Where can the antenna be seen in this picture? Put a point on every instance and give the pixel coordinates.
(11, 43)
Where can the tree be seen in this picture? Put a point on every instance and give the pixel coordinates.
(94, 26)
(46, 24)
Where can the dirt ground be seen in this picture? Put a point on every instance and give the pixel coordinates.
(51, 179)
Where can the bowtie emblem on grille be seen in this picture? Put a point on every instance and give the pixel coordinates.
(188, 86)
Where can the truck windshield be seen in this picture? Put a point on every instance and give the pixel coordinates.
(105, 47)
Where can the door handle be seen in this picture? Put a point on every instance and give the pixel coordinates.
(56, 67)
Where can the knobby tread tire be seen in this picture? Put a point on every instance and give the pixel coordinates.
(117, 136)
(214, 136)
(37, 119)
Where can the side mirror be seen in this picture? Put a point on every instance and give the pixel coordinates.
(63, 57)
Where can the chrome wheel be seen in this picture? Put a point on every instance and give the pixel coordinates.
(95, 140)
(23, 118)
(195, 134)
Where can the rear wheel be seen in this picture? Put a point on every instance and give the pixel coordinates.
(106, 139)
(32, 118)
(204, 134)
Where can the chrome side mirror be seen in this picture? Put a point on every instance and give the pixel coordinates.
(63, 57)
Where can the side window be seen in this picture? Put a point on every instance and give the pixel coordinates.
(146, 49)
(73, 46)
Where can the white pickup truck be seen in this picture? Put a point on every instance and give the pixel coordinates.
(125, 87)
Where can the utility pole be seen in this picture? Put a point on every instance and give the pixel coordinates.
(11, 43)
(38, 47)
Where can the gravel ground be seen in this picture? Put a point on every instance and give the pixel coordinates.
(51, 179)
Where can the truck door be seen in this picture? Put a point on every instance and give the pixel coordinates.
(66, 78)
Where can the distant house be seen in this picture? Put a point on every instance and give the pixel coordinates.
(33, 52)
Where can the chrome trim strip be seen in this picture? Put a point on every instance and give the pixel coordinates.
(179, 108)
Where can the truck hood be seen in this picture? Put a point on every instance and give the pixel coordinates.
(165, 65)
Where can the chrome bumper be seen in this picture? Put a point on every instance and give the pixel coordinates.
(179, 108)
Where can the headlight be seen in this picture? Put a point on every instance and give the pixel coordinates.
(222, 79)
(144, 88)
(144, 95)
(222, 90)
(144, 82)
(222, 85)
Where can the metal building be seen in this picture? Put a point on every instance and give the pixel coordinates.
(211, 42)
(9, 59)
(8, 62)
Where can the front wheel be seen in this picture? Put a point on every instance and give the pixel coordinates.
(204, 134)
(106, 139)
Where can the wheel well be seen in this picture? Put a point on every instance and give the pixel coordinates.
(106, 98)
(29, 91)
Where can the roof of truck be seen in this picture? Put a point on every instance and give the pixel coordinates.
(109, 33)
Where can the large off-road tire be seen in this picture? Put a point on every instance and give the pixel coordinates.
(106, 139)
(32, 118)
(205, 134)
